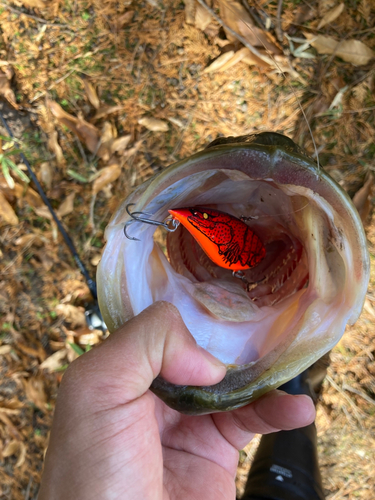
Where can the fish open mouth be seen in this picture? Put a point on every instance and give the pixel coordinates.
(226, 314)
(284, 313)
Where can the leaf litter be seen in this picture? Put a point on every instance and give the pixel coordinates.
(116, 91)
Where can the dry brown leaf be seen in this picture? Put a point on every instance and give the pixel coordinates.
(352, 51)
(202, 18)
(35, 392)
(46, 174)
(71, 314)
(107, 110)
(7, 214)
(22, 455)
(125, 18)
(34, 4)
(237, 57)
(87, 133)
(154, 124)
(190, 6)
(91, 93)
(235, 16)
(43, 212)
(331, 15)
(109, 133)
(5, 349)
(107, 175)
(362, 198)
(120, 144)
(12, 448)
(55, 147)
(367, 306)
(95, 259)
(253, 60)
(27, 238)
(67, 206)
(219, 62)
(6, 91)
(55, 361)
(91, 338)
(28, 194)
(46, 259)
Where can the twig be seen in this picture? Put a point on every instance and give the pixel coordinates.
(36, 18)
(347, 387)
(240, 38)
(28, 488)
(254, 14)
(279, 31)
(347, 398)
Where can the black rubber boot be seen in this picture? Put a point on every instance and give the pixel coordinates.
(285, 466)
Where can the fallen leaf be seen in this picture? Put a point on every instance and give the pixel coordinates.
(55, 361)
(109, 133)
(27, 238)
(125, 18)
(91, 92)
(11, 448)
(331, 15)
(154, 124)
(202, 18)
(236, 17)
(176, 122)
(91, 338)
(55, 147)
(219, 62)
(87, 133)
(107, 175)
(367, 306)
(34, 4)
(253, 60)
(190, 7)
(46, 174)
(7, 214)
(21, 455)
(94, 262)
(71, 314)
(67, 206)
(120, 144)
(352, 51)
(362, 198)
(28, 194)
(6, 91)
(46, 259)
(35, 392)
(5, 349)
(107, 110)
(237, 57)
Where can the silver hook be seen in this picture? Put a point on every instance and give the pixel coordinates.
(140, 217)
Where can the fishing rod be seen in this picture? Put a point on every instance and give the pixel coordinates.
(93, 315)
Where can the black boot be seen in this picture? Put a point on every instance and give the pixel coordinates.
(285, 466)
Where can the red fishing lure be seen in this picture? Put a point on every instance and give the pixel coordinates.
(227, 241)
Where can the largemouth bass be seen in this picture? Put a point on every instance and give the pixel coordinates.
(288, 310)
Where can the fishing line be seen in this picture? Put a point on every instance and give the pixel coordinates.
(93, 316)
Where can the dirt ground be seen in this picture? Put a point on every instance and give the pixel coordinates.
(103, 94)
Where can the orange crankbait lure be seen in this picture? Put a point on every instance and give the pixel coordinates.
(226, 240)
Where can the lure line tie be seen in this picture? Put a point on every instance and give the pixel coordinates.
(170, 224)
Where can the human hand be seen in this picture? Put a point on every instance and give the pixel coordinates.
(112, 438)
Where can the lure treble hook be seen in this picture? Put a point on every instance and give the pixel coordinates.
(142, 217)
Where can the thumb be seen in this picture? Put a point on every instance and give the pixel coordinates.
(152, 343)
